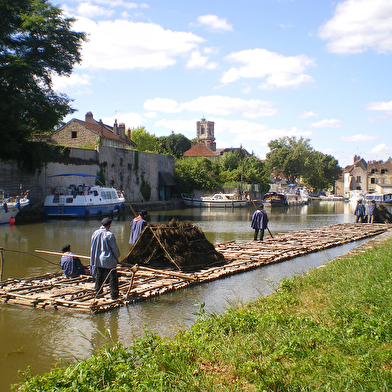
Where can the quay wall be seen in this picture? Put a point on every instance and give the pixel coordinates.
(126, 168)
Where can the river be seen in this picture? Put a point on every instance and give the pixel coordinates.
(40, 338)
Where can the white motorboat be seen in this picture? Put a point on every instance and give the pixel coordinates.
(82, 201)
(10, 206)
(222, 200)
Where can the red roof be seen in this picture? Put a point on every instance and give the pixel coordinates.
(199, 150)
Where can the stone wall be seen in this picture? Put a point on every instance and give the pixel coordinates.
(125, 168)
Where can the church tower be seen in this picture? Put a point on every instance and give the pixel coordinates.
(205, 133)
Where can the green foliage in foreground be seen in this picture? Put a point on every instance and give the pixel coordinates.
(328, 330)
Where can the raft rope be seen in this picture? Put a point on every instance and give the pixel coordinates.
(30, 254)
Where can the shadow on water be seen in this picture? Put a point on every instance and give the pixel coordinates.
(41, 338)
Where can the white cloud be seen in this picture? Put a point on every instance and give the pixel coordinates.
(215, 23)
(214, 104)
(380, 106)
(217, 104)
(198, 61)
(359, 25)
(122, 44)
(308, 114)
(358, 138)
(332, 123)
(381, 150)
(89, 10)
(131, 120)
(162, 104)
(279, 70)
(76, 83)
(150, 114)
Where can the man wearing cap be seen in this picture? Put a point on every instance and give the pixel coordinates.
(71, 265)
(137, 225)
(259, 222)
(103, 258)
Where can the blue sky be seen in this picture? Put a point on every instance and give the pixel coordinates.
(260, 69)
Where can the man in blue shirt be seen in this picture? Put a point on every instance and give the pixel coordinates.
(103, 258)
(137, 225)
(71, 265)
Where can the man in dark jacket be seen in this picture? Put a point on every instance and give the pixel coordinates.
(259, 222)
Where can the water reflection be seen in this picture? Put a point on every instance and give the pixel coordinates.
(40, 338)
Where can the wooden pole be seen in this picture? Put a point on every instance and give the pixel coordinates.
(129, 204)
(2, 264)
(60, 254)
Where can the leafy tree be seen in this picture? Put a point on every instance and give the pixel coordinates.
(175, 144)
(290, 156)
(36, 42)
(144, 140)
(325, 171)
(236, 165)
(197, 173)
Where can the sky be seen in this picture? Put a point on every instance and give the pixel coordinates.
(260, 69)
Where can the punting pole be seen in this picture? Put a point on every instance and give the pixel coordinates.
(129, 204)
(60, 254)
(2, 264)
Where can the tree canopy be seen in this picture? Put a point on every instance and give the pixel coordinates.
(36, 42)
(145, 141)
(175, 144)
(289, 155)
(197, 173)
(297, 159)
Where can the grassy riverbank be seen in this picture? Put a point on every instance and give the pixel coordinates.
(328, 330)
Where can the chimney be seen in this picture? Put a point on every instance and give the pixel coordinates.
(115, 126)
(121, 130)
(129, 133)
(90, 118)
(101, 126)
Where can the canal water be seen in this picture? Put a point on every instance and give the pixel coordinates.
(40, 338)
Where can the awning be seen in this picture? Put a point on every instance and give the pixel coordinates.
(165, 178)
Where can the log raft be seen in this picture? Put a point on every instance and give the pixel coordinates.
(137, 282)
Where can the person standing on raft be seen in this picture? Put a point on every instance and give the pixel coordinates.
(359, 212)
(137, 225)
(103, 258)
(259, 222)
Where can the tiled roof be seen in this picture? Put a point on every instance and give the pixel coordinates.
(105, 131)
(199, 150)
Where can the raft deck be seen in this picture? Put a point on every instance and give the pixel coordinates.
(136, 283)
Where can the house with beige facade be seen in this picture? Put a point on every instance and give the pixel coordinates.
(368, 177)
(90, 133)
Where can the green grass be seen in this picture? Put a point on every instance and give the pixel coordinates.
(328, 330)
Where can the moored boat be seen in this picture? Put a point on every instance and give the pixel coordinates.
(275, 199)
(82, 201)
(221, 200)
(10, 206)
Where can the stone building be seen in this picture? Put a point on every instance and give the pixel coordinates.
(91, 133)
(205, 133)
(379, 176)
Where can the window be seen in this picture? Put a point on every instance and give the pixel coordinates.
(373, 180)
(358, 179)
(383, 171)
(373, 171)
(74, 134)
